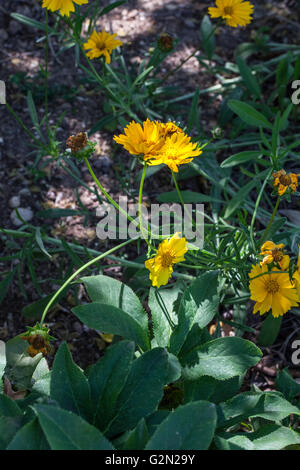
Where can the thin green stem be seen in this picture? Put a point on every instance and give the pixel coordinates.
(256, 209)
(271, 221)
(82, 268)
(144, 234)
(191, 55)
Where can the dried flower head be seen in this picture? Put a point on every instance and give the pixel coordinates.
(77, 142)
(284, 182)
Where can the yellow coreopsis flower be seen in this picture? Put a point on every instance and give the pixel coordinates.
(272, 290)
(101, 43)
(176, 150)
(64, 6)
(139, 139)
(234, 12)
(169, 252)
(274, 254)
(296, 276)
(285, 181)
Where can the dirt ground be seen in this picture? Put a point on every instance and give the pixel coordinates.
(138, 24)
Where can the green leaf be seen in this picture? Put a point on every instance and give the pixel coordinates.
(5, 283)
(248, 114)
(109, 291)
(229, 442)
(138, 438)
(174, 369)
(208, 388)
(67, 431)
(9, 407)
(42, 378)
(142, 391)
(189, 427)
(208, 38)
(248, 77)
(269, 405)
(221, 358)
(199, 305)
(242, 157)
(189, 197)
(29, 437)
(107, 378)
(274, 437)
(2, 362)
(8, 428)
(269, 330)
(69, 386)
(236, 202)
(34, 309)
(113, 320)
(287, 385)
(162, 303)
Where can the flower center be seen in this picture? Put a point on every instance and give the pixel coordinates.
(272, 286)
(285, 180)
(228, 11)
(167, 260)
(277, 255)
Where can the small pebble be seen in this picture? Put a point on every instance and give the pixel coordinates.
(26, 214)
(14, 202)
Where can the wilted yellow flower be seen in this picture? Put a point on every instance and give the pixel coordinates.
(169, 252)
(274, 253)
(272, 290)
(38, 338)
(176, 150)
(141, 140)
(101, 43)
(285, 181)
(296, 276)
(234, 12)
(64, 6)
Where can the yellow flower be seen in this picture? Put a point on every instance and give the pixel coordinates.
(65, 6)
(296, 276)
(176, 150)
(272, 290)
(101, 43)
(234, 12)
(284, 181)
(141, 140)
(169, 252)
(274, 253)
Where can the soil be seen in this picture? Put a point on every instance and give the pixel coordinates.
(138, 24)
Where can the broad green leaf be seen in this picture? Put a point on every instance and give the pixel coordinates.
(174, 369)
(109, 319)
(189, 427)
(9, 407)
(138, 438)
(269, 330)
(198, 305)
(208, 388)
(242, 157)
(9, 425)
(42, 378)
(162, 303)
(228, 442)
(248, 114)
(69, 386)
(221, 358)
(29, 437)
(287, 385)
(107, 378)
(66, 431)
(274, 437)
(142, 391)
(249, 78)
(109, 291)
(268, 405)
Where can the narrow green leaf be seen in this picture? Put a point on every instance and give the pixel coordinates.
(248, 114)
(242, 157)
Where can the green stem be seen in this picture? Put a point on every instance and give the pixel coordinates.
(256, 209)
(82, 268)
(144, 234)
(46, 71)
(191, 55)
(111, 200)
(271, 221)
